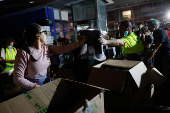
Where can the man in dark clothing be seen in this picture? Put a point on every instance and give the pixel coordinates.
(161, 50)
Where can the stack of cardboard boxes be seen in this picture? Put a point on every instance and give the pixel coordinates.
(125, 83)
(128, 82)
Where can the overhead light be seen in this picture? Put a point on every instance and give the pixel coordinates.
(168, 14)
(1, 0)
(31, 2)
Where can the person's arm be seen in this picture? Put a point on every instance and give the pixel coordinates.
(66, 48)
(116, 42)
(20, 66)
(155, 49)
(143, 39)
(8, 61)
(160, 40)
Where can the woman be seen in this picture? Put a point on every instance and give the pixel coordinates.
(32, 60)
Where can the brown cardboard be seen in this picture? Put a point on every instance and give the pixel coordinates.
(155, 76)
(126, 80)
(18, 105)
(105, 78)
(104, 74)
(4, 108)
(38, 99)
(85, 91)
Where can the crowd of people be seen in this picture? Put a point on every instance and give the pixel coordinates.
(31, 62)
(145, 42)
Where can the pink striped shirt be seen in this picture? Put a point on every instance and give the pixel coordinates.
(25, 68)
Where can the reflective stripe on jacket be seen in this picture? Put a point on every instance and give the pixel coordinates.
(133, 44)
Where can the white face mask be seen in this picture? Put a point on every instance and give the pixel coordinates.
(10, 47)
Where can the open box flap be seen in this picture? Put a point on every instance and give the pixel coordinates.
(155, 76)
(137, 72)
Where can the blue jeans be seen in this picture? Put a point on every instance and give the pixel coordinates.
(39, 80)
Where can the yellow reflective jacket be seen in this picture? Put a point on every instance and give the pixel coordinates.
(8, 56)
(133, 44)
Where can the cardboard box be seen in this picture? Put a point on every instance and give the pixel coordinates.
(146, 93)
(70, 97)
(38, 99)
(116, 73)
(126, 80)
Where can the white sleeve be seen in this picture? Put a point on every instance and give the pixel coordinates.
(15, 51)
(2, 53)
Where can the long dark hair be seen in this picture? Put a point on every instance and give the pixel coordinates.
(30, 36)
(8, 40)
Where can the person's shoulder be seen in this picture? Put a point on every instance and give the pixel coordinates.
(163, 32)
(131, 35)
(158, 32)
(21, 52)
(14, 48)
(2, 49)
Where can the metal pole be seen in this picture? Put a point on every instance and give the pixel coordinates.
(63, 29)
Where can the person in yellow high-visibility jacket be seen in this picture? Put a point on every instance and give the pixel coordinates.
(8, 54)
(130, 42)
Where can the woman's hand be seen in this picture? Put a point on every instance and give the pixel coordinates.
(37, 85)
(81, 40)
(103, 41)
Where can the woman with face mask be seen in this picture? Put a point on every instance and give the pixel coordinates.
(8, 54)
(32, 61)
